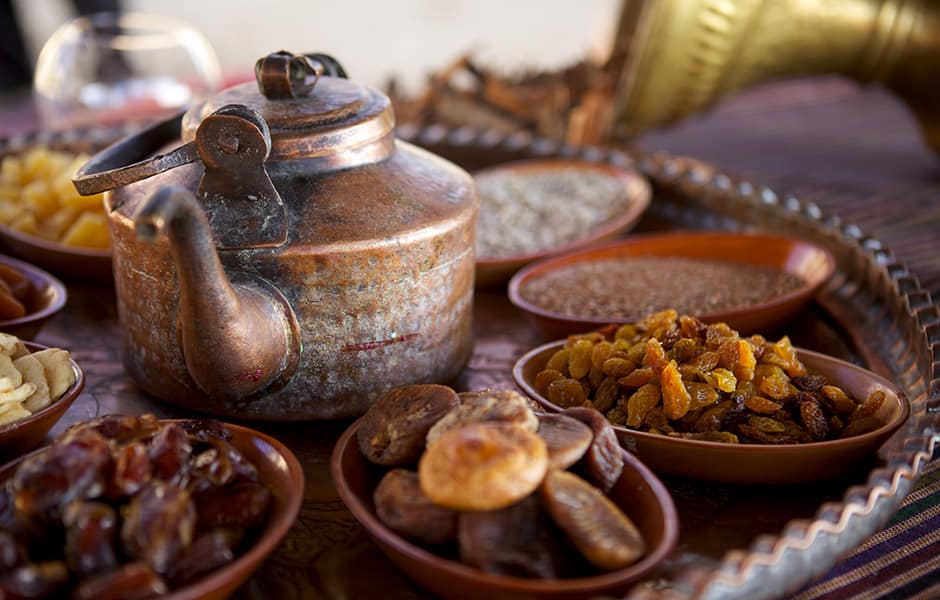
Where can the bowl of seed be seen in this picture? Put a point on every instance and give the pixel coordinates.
(534, 209)
(753, 282)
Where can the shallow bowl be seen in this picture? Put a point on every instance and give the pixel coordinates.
(73, 262)
(46, 298)
(492, 271)
(753, 463)
(638, 492)
(811, 263)
(24, 435)
(280, 471)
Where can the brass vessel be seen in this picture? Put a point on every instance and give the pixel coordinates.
(686, 54)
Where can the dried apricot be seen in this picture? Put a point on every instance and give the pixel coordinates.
(483, 466)
(504, 406)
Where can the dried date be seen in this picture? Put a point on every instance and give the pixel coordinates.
(242, 504)
(134, 581)
(90, 536)
(159, 523)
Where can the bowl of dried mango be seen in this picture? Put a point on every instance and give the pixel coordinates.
(702, 401)
(43, 218)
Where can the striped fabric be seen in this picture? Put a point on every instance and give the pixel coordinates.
(900, 561)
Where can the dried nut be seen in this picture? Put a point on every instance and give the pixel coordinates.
(403, 507)
(567, 439)
(602, 464)
(606, 537)
(483, 466)
(519, 540)
(394, 428)
(504, 406)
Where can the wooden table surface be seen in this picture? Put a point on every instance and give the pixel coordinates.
(855, 152)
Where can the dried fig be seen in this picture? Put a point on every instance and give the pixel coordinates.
(393, 430)
(483, 466)
(566, 439)
(486, 406)
(602, 464)
(605, 536)
(519, 540)
(404, 508)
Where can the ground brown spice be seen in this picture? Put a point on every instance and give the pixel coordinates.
(627, 289)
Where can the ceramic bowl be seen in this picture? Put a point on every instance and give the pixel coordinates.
(47, 297)
(70, 261)
(280, 471)
(24, 435)
(492, 271)
(754, 463)
(638, 492)
(811, 263)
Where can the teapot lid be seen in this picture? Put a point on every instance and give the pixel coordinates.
(310, 107)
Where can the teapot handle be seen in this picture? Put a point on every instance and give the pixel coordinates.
(110, 169)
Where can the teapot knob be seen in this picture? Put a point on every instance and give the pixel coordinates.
(284, 75)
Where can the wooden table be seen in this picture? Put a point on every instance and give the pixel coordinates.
(855, 152)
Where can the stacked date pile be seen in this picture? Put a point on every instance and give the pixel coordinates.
(493, 476)
(677, 376)
(127, 507)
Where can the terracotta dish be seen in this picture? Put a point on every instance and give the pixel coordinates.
(282, 474)
(71, 261)
(638, 492)
(754, 463)
(492, 271)
(23, 435)
(811, 263)
(47, 297)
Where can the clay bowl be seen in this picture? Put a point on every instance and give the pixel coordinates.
(811, 263)
(46, 298)
(282, 474)
(753, 463)
(23, 435)
(638, 492)
(70, 261)
(493, 271)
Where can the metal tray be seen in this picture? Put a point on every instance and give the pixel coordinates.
(887, 317)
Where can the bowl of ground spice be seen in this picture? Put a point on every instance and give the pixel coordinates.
(534, 209)
(753, 282)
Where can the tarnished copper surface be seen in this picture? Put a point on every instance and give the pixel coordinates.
(341, 273)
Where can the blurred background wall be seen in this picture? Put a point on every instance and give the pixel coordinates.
(375, 39)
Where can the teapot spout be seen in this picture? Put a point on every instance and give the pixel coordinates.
(236, 337)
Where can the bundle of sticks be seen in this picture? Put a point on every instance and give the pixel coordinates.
(574, 104)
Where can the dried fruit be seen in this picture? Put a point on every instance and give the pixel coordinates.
(567, 392)
(483, 466)
(35, 580)
(394, 429)
(519, 540)
(602, 464)
(678, 376)
(605, 536)
(676, 398)
(158, 523)
(566, 439)
(404, 508)
(90, 535)
(134, 581)
(503, 406)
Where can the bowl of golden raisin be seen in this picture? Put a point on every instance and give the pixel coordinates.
(702, 401)
(480, 493)
(43, 218)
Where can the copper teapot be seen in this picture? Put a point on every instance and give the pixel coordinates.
(278, 254)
